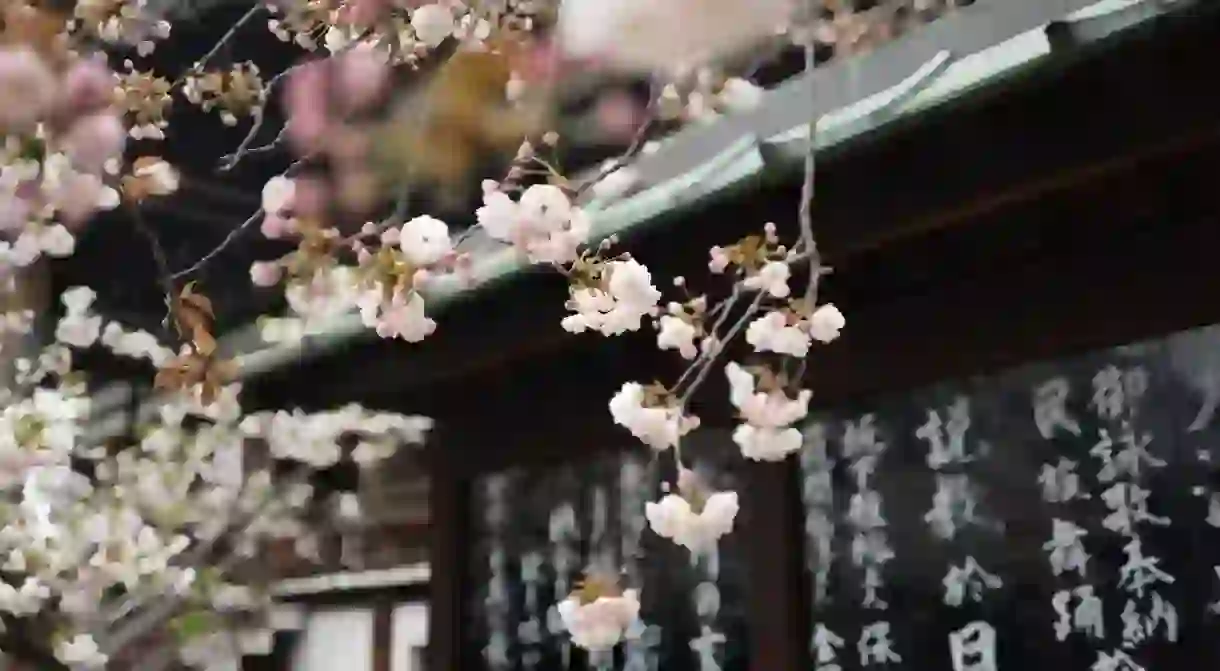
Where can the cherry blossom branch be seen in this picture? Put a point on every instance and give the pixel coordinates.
(157, 614)
(230, 161)
(164, 276)
(229, 239)
(719, 346)
(805, 210)
(220, 44)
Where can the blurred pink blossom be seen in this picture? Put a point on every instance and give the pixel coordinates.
(92, 140)
(265, 274)
(309, 199)
(362, 75)
(619, 115)
(365, 13)
(305, 101)
(274, 226)
(88, 86)
(27, 87)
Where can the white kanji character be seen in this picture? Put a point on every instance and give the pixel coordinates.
(1060, 483)
(1130, 459)
(1115, 661)
(870, 548)
(641, 650)
(1089, 616)
(872, 583)
(968, 580)
(1129, 503)
(1050, 408)
(1063, 621)
(814, 453)
(864, 510)
(531, 575)
(820, 530)
(706, 646)
(562, 525)
(947, 439)
(530, 631)
(1116, 392)
(860, 438)
(707, 600)
(972, 648)
(1134, 628)
(1213, 510)
(1163, 613)
(825, 644)
(952, 504)
(875, 646)
(817, 488)
(496, 651)
(1067, 552)
(1139, 571)
(862, 470)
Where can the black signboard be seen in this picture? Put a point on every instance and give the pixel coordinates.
(1065, 515)
(535, 532)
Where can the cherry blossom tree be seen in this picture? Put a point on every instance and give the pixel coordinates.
(113, 544)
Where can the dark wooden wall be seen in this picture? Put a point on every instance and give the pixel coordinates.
(1077, 209)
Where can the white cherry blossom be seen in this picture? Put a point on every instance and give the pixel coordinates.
(433, 23)
(771, 278)
(826, 322)
(278, 194)
(544, 225)
(674, 518)
(659, 427)
(402, 316)
(677, 334)
(627, 297)
(601, 623)
(768, 409)
(424, 240)
(81, 651)
(772, 332)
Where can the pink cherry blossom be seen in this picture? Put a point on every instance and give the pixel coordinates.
(309, 197)
(95, 139)
(362, 75)
(88, 86)
(365, 13)
(265, 274)
(619, 115)
(306, 104)
(27, 87)
(274, 226)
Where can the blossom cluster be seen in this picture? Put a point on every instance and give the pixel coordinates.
(138, 524)
(144, 522)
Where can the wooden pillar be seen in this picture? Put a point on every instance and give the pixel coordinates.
(776, 587)
(447, 551)
(383, 633)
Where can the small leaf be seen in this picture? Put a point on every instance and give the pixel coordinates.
(197, 301)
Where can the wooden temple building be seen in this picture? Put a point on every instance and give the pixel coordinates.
(1019, 203)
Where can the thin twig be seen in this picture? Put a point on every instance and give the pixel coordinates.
(230, 161)
(230, 238)
(164, 276)
(805, 210)
(224, 244)
(720, 346)
(224, 40)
